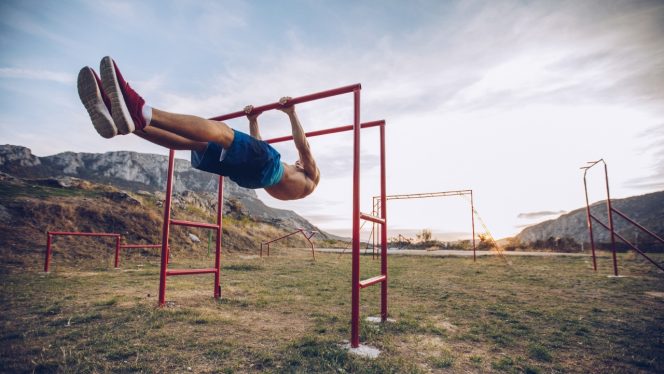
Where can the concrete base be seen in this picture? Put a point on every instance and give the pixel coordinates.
(362, 350)
(375, 319)
(616, 276)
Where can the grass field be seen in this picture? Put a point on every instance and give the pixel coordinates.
(286, 313)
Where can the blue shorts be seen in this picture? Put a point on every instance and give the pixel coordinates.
(249, 162)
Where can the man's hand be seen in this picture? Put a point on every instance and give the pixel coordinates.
(285, 107)
(251, 115)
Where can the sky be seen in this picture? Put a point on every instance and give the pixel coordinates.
(507, 98)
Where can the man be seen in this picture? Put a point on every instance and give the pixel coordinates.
(115, 108)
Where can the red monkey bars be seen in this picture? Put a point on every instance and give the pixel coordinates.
(356, 284)
(49, 249)
(610, 227)
(306, 236)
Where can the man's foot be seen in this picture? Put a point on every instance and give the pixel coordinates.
(96, 102)
(126, 104)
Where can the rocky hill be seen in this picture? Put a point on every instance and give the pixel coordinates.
(138, 172)
(647, 210)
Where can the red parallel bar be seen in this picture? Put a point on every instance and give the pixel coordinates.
(140, 246)
(165, 232)
(82, 233)
(355, 277)
(610, 214)
(590, 221)
(195, 224)
(371, 281)
(383, 232)
(369, 217)
(629, 244)
(117, 252)
(293, 101)
(190, 271)
(637, 225)
(47, 260)
(327, 131)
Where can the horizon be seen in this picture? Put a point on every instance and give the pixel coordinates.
(505, 98)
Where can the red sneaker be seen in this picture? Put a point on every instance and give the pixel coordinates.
(96, 102)
(126, 104)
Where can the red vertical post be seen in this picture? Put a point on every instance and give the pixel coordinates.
(117, 252)
(590, 222)
(355, 278)
(610, 213)
(47, 260)
(383, 232)
(472, 223)
(217, 257)
(165, 233)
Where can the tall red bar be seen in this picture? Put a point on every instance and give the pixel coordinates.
(355, 278)
(610, 214)
(217, 257)
(590, 222)
(383, 233)
(117, 252)
(165, 233)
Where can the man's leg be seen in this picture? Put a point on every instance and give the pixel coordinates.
(192, 128)
(170, 140)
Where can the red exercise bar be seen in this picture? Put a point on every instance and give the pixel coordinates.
(313, 253)
(49, 250)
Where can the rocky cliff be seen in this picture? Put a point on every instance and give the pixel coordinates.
(647, 210)
(145, 172)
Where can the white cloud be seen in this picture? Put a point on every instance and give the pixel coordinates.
(45, 75)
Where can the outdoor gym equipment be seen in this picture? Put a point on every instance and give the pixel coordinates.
(610, 227)
(306, 236)
(356, 283)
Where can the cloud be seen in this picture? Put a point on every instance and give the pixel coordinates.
(540, 214)
(655, 146)
(36, 74)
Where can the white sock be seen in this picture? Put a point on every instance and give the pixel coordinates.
(147, 114)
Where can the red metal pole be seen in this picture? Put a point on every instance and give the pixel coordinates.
(293, 101)
(217, 257)
(472, 222)
(166, 230)
(332, 130)
(610, 211)
(47, 261)
(117, 251)
(590, 221)
(383, 232)
(355, 278)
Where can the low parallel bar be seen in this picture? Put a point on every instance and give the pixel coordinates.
(293, 101)
(81, 233)
(328, 131)
(141, 246)
(371, 281)
(190, 271)
(194, 224)
(369, 217)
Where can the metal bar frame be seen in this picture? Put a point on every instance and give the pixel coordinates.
(610, 227)
(355, 276)
(267, 244)
(49, 243)
(425, 195)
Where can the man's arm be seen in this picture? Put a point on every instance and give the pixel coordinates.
(253, 121)
(300, 139)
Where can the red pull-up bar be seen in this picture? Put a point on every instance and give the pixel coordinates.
(293, 101)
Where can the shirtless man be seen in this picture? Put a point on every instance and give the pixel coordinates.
(115, 108)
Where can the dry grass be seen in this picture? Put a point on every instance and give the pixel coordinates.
(288, 314)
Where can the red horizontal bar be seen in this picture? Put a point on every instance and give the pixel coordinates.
(293, 101)
(371, 281)
(369, 217)
(190, 271)
(141, 246)
(81, 233)
(194, 224)
(328, 131)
